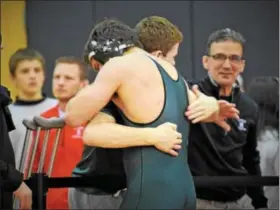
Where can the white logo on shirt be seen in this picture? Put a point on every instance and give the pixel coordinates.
(79, 131)
(241, 125)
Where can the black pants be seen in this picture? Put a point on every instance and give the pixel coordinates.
(6, 200)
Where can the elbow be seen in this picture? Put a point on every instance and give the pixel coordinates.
(88, 139)
(72, 121)
(70, 117)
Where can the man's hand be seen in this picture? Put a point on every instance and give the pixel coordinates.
(227, 110)
(202, 108)
(167, 139)
(24, 194)
(208, 109)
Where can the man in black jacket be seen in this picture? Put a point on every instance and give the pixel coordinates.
(11, 180)
(214, 152)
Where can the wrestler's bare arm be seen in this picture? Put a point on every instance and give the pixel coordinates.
(102, 131)
(91, 99)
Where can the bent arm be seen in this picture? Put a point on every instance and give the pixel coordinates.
(102, 131)
(91, 99)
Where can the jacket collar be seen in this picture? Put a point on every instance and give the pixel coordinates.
(210, 86)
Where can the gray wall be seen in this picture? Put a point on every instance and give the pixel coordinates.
(59, 28)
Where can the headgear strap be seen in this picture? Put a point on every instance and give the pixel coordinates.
(103, 51)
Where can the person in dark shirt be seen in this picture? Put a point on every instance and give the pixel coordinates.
(214, 152)
(11, 180)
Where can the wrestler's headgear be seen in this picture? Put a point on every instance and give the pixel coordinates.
(104, 50)
(108, 39)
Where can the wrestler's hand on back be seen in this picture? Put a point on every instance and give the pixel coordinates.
(167, 139)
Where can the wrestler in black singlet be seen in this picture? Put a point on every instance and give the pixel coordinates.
(97, 162)
(156, 180)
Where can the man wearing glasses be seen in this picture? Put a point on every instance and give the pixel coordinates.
(214, 152)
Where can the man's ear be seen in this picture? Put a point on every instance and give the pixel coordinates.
(157, 53)
(12, 78)
(86, 82)
(95, 64)
(242, 67)
(205, 62)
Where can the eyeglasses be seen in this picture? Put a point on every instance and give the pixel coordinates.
(236, 59)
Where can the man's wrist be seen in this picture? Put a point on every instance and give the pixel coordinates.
(150, 136)
(217, 105)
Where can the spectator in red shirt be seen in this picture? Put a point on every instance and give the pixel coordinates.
(68, 78)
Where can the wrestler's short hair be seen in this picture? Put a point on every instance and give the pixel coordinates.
(158, 33)
(23, 54)
(222, 35)
(74, 60)
(108, 35)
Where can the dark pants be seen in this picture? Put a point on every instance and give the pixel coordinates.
(6, 200)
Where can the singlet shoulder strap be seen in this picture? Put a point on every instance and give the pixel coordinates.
(160, 68)
(163, 73)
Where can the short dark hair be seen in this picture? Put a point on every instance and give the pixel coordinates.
(222, 35)
(23, 54)
(158, 33)
(74, 60)
(265, 92)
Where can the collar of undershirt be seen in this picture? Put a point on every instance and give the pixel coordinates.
(29, 103)
(214, 87)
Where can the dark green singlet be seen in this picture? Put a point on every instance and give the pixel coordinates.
(156, 180)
